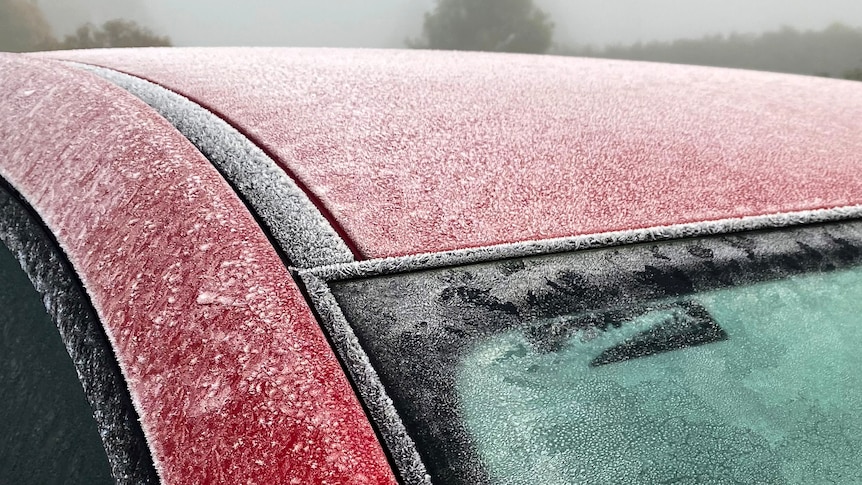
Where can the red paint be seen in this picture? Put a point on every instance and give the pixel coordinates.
(233, 379)
(427, 151)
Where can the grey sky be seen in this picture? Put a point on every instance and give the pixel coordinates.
(386, 23)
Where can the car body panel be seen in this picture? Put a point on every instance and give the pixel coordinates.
(412, 152)
(230, 373)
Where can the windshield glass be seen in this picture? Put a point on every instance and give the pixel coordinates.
(766, 391)
(722, 360)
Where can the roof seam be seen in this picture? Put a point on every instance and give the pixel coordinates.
(305, 232)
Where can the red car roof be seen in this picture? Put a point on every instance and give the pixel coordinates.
(413, 151)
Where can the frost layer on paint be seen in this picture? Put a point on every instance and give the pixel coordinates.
(231, 376)
(728, 359)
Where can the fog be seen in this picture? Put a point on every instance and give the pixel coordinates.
(603, 22)
(387, 23)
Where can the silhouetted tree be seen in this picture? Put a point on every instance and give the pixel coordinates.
(854, 74)
(486, 25)
(23, 27)
(113, 33)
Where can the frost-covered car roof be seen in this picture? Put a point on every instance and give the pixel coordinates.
(205, 197)
(409, 152)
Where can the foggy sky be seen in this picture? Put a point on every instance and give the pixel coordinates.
(387, 23)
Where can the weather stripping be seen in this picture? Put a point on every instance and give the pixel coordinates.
(402, 450)
(575, 243)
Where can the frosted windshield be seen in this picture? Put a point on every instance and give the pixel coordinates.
(775, 401)
(727, 359)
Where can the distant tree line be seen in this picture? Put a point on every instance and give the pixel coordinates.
(23, 28)
(835, 51)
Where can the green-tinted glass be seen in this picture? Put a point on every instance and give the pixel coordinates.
(774, 399)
